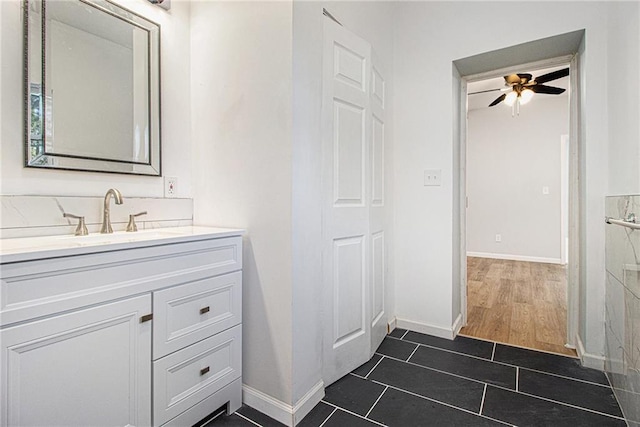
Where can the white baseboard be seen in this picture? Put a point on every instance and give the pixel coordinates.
(266, 404)
(393, 323)
(457, 325)
(308, 402)
(425, 328)
(588, 360)
(280, 411)
(515, 257)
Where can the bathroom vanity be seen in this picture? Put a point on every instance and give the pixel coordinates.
(124, 329)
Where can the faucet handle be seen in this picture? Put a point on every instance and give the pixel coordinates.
(81, 229)
(132, 221)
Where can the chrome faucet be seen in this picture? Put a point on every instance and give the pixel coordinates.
(106, 218)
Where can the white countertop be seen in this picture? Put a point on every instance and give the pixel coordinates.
(32, 248)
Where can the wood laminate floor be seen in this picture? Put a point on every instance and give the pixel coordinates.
(517, 302)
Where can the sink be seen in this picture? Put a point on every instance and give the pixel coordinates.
(28, 248)
(9, 245)
(116, 237)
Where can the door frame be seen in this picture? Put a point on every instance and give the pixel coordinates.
(573, 266)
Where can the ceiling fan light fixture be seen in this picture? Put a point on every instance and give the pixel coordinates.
(511, 98)
(526, 95)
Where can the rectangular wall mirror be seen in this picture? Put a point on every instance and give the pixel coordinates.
(92, 87)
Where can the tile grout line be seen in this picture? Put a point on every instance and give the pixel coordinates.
(492, 385)
(412, 353)
(327, 419)
(504, 363)
(446, 349)
(484, 393)
(556, 375)
(376, 402)
(493, 353)
(430, 399)
(212, 419)
(517, 377)
(376, 365)
(353, 413)
(521, 347)
(248, 419)
(405, 334)
(571, 405)
(439, 371)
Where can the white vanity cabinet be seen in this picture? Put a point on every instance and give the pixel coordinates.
(90, 367)
(137, 333)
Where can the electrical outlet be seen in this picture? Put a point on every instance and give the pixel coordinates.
(498, 238)
(433, 177)
(545, 190)
(170, 186)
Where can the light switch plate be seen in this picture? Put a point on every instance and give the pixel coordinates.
(433, 177)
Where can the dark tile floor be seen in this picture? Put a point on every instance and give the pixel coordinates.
(420, 380)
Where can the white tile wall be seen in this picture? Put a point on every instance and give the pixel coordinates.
(622, 316)
(27, 216)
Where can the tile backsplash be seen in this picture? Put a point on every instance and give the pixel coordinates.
(622, 316)
(28, 216)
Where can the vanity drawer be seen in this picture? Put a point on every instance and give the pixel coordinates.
(188, 313)
(47, 286)
(188, 376)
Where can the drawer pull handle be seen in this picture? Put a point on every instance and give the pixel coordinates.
(204, 370)
(204, 310)
(146, 318)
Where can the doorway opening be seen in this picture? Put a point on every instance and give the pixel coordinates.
(552, 52)
(517, 165)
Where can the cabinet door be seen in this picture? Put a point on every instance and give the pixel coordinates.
(85, 368)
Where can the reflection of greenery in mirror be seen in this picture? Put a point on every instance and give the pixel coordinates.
(36, 146)
(92, 92)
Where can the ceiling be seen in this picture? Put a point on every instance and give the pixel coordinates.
(482, 100)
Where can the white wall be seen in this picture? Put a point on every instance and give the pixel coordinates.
(307, 201)
(509, 161)
(241, 134)
(428, 37)
(623, 86)
(176, 146)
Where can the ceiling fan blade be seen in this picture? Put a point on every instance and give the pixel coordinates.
(551, 90)
(498, 100)
(484, 91)
(552, 76)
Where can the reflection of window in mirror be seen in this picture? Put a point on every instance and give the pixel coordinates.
(36, 112)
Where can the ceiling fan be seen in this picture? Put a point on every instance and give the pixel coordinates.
(523, 86)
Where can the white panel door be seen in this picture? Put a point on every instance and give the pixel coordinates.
(346, 201)
(377, 210)
(86, 368)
